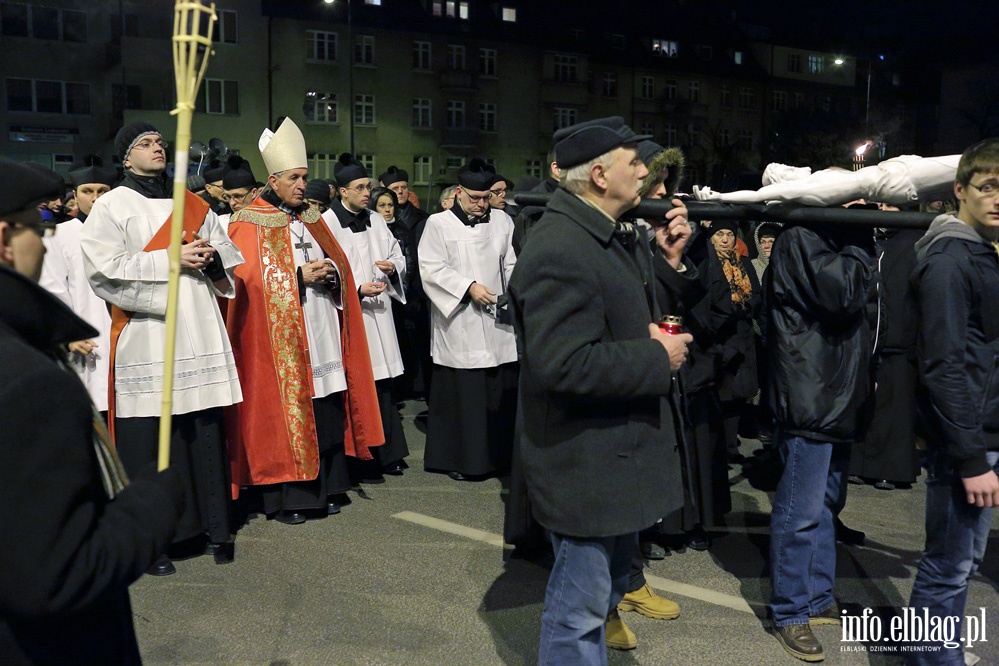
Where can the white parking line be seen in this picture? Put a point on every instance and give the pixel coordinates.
(659, 583)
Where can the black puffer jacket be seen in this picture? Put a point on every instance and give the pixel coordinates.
(819, 334)
(957, 279)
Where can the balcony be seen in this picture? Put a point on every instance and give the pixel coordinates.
(460, 138)
(564, 93)
(458, 80)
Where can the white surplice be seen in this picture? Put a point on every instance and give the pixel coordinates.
(63, 276)
(120, 225)
(452, 256)
(375, 244)
(322, 319)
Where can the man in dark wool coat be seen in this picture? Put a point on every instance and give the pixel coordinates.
(598, 444)
(76, 535)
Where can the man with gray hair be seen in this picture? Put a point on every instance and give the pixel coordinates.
(598, 439)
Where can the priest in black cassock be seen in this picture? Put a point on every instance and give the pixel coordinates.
(466, 257)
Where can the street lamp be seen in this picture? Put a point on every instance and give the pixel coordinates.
(867, 105)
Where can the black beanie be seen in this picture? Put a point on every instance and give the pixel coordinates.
(129, 135)
(477, 175)
(393, 175)
(318, 190)
(238, 178)
(347, 169)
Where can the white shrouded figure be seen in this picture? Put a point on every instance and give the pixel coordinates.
(899, 180)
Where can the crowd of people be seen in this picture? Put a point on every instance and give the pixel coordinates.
(309, 309)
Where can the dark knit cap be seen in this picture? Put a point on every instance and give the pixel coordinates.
(394, 175)
(196, 183)
(215, 174)
(347, 169)
(476, 175)
(585, 141)
(318, 190)
(93, 174)
(501, 179)
(238, 178)
(647, 150)
(129, 135)
(26, 185)
(718, 225)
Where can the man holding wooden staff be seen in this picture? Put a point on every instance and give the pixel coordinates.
(124, 245)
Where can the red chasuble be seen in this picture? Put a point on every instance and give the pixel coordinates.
(272, 434)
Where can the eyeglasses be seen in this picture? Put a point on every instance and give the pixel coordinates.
(235, 197)
(474, 199)
(498, 193)
(146, 145)
(989, 189)
(360, 189)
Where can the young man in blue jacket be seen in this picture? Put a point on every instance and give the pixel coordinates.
(956, 279)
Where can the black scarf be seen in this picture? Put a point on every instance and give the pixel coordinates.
(356, 222)
(151, 187)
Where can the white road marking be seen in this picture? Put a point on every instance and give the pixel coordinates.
(659, 583)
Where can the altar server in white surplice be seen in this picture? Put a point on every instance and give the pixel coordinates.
(124, 244)
(466, 258)
(63, 275)
(379, 269)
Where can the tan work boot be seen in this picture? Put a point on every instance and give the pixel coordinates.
(617, 635)
(649, 604)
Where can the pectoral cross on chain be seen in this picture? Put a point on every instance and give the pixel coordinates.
(304, 246)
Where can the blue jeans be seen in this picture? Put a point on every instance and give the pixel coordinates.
(956, 533)
(811, 493)
(589, 578)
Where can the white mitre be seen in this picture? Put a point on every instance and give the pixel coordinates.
(284, 149)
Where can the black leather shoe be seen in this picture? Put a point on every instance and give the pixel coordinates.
(332, 508)
(162, 567)
(652, 550)
(395, 469)
(289, 517)
(850, 537)
(457, 476)
(800, 642)
(224, 553)
(697, 539)
(884, 484)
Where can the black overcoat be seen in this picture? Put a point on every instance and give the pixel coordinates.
(598, 443)
(69, 553)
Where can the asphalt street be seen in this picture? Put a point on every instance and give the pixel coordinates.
(416, 574)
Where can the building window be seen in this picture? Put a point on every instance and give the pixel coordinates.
(725, 95)
(778, 101)
(422, 56)
(705, 52)
(510, 14)
(453, 163)
(648, 87)
(799, 100)
(456, 57)
(48, 97)
(533, 169)
(793, 62)
(747, 98)
(693, 136)
(421, 113)
(566, 68)
(423, 169)
(724, 136)
(487, 62)
(320, 107)
(367, 161)
(664, 48)
(364, 109)
(609, 86)
(816, 64)
(738, 57)
(825, 104)
(670, 91)
(648, 127)
(21, 20)
(322, 46)
(694, 91)
(617, 41)
(321, 165)
(438, 9)
(226, 28)
(576, 34)
(564, 117)
(220, 97)
(377, 3)
(746, 140)
(669, 134)
(364, 50)
(487, 117)
(455, 114)
(463, 10)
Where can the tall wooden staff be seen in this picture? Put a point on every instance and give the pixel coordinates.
(191, 50)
